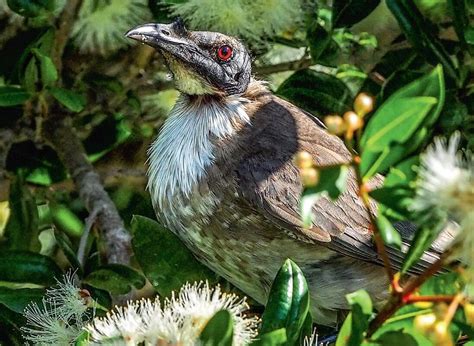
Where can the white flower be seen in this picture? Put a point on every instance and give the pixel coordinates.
(61, 317)
(46, 325)
(446, 181)
(250, 20)
(446, 188)
(121, 326)
(179, 321)
(198, 303)
(68, 298)
(101, 24)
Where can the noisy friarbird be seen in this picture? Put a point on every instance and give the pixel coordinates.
(222, 178)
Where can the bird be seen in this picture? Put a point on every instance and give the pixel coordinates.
(222, 177)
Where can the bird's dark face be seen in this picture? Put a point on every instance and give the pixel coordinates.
(201, 62)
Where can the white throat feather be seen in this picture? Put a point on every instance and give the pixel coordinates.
(183, 151)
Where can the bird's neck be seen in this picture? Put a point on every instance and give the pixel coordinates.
(185, 149)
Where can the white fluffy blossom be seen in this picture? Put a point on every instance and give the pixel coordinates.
(312, 340)
(102, 24)
(247, 19)
(446, 188)
(179, 321)
(60, 317)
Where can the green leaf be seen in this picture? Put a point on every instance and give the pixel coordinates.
(66, 220)
(115, 278)
(83, 339)
(49, 73)
(70, 99)
(219, 331)
(332, 181)
(396, 130)
(12, 96)
(274, 338)
(28, 267)
(460, 15)
(30, 78)
(389, 234)
(330, 96)
(288, 303)
(17, 299)
(418, 31)
(22, 227)
(31, 8)
(396, 338)
(402, 174)
(66, 247)
(361, 311)
(10, 323)
(164, 259)
(423, 239)
(318, 39)
(396, 199)
(349, 12)
(396, 122)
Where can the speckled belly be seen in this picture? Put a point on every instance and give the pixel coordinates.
(247, 250)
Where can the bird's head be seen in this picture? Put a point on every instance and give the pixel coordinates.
(201, 62)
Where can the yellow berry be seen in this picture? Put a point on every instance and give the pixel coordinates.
(303, 159)
(363, 104)
(424, 323)
(353, 121)
(440, 310)
(423, 305)
(309, 176)
(441, 335)
(469, 312)
(335, 124)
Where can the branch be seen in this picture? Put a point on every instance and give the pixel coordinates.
(284, 66)
(64, 27)
(70, 150)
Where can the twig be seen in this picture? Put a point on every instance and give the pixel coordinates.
(284, 66)
(64, 27)
(90, 220)
(70, 150)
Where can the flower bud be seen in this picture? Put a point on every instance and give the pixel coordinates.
(303, 159)
(363, 104)
(425, 323)
(335, 124)
(309, 176)
(353, 121)
(469, 312)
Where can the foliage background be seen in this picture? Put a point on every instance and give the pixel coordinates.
(75, 92)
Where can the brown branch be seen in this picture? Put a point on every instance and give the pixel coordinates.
(284, 66)
(64, 27)
(61, 135)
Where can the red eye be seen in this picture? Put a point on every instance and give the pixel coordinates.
(224, 53)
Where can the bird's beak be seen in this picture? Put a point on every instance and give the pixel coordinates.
(161, 36)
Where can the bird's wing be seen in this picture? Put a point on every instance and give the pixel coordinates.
(269, 181)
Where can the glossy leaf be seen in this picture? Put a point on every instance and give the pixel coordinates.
(12, 96)
(66, 220)
(28, 267)
(16, 299)
(66, 247)
(49, 73)
(395, 122)
(70, 99)
(330, 96)
(164, 259)
(288, 303)
(115, 278)
(31, 8)
(419, 32)
(401, 124)
(348, 12)
(332, 182)
(219, 331)
(22, 227)
(355, 325)
(402, 174)
(397, 199)
(318, 39)
(389, 234)
(274, 338)
(424, 236)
